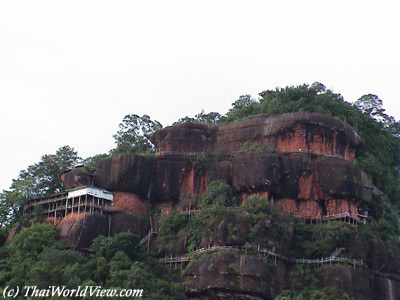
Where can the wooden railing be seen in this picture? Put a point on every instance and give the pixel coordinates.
(315, 153)
(45, 200)
(234, 153)
(266, 252)
(185, 154)
(340, 216)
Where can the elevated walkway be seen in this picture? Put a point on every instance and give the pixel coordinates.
(179, 260)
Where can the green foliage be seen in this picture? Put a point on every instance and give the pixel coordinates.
(132, 134)
(250, 147)
(107, 247)
(373, 106)
(172, 226)
(305, 277)
(314, 294)
(60, 267)
(203, 163)
(219, 193)
(209, 118)
(3, 235)
(257, 204)
(381, 155)
(243, 107)
(38, 212)
(387, 227)
(320, 241)
(250, 249)
(43, 178)
(260, 211)
(90, 163)
(36, 258)
(40, 179)
(31, 241)
(173, 222)
(200, 222)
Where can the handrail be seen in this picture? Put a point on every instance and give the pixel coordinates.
(333, 217)
(233, 153)
(323, 260)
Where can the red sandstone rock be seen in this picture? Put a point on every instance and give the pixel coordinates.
(304, 209)
(298, 132)
(76, 178)
(281, 175)
(231, 276)
(127, 172)
(184, 137)
(78, 231)
(129, 202)
(354, 282)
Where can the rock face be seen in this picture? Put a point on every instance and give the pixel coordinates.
(355, 283)
(304, 185)
(129, 202)
(127, 173)
(297, 132)
(302, 162)
(76, 178)
(78, 231)
(232, 276)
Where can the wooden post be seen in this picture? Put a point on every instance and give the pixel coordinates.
(79, 206)
(55, 214)
(86, 203)
(66, 207)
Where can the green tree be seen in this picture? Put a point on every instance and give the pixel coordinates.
(241, 108)
(31, 241)
(219, 193)
(43, 178)
(90, 163)
(210, 118)
(380, 157)
(9, 209)
(108, 246)
(58, 267)
(132, 134)
(314, 294)
(39, 179)
(372, 105)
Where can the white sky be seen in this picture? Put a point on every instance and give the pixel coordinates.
(71, 70)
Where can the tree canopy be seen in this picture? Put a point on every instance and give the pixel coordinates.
(380, 157)
(132, 134)
(210, 118)
(35, 257)
(39, 179)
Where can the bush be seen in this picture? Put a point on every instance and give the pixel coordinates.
(314, 294)
(219, 193)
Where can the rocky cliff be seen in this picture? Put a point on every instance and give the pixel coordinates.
(301, 164)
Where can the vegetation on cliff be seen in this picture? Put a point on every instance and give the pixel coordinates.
(380, 156)
(38, 180)
(35, 257)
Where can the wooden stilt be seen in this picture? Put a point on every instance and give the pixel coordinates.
(79, 205)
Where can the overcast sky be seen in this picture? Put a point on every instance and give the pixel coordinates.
(71, 70)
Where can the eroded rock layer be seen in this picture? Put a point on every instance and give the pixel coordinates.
(301, 162)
